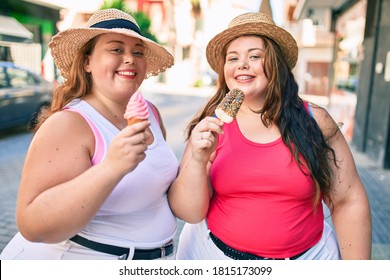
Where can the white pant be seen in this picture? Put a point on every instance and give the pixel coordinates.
(196, 244)
(21, 249)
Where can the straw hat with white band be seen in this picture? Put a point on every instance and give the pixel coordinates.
(251, 24)
(67, 43)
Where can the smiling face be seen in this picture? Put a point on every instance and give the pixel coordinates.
(244, 66)
(117, 65)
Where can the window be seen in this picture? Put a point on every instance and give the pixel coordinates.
(19, 78)
(3, 78)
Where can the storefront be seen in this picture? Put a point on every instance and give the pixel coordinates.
(349, 35)
(25, 31)
(359, 69)
(372, 121)
(12, 30)
(349, 25)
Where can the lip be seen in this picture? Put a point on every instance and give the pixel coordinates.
(127, 73)
(244, 78)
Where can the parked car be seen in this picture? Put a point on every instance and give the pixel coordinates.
(22, 95)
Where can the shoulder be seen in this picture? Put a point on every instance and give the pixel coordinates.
(324, 120)
(66, 119)
(66, 126)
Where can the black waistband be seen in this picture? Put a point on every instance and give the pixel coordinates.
(123, 253)
(239, 255)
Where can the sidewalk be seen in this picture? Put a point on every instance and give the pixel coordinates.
(377, 183)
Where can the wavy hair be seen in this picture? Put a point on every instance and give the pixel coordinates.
(78, 85)
(284, 108)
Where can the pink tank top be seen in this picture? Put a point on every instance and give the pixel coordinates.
(262, 202)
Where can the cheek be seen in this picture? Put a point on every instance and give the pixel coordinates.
(141, 69)
(95, 66)
(99, 74)
(258, 68)
(228, 70)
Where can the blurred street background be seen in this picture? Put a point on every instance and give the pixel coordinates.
(177, 108)
(343, 65)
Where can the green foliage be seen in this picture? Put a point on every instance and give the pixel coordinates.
(144, 22)
(115, 4)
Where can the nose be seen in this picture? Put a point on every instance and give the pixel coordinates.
(128, 58)
(243, 64)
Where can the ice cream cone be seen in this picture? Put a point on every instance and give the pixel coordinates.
(133, 120)
(136, 109)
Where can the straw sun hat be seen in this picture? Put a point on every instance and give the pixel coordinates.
(65, 45)
(251, 24)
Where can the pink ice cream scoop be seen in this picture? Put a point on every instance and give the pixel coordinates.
(137, 109)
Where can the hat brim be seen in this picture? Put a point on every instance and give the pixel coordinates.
(65, 45)
(287, 44)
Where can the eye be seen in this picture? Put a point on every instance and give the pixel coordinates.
(117, 50)
(138, 53)
(231, 58)
(254, 57)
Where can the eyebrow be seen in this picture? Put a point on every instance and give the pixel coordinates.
(249, 50)
(121, 42)
(256, 49)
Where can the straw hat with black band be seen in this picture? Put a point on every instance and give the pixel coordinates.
(251, 24)
(67, 43)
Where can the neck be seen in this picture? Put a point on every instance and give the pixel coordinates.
(249, 110)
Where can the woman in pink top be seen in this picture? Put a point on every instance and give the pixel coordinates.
(254, 188)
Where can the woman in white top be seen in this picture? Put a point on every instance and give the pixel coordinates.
(92, 186)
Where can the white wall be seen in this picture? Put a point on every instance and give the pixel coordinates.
(309, 55)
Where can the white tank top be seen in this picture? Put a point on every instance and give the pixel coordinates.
(137, 212)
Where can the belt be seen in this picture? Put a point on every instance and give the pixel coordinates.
(239, 255)
(123, 253)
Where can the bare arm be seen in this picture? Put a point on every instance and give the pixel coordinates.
(190, 193)
(351, 217)
(60, 192)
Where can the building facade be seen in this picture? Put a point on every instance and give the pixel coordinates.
(372, 121)
(359, 66)
(25, 42)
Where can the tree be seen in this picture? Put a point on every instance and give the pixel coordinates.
(143, 20)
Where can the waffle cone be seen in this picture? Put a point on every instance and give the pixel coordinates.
(133, 120)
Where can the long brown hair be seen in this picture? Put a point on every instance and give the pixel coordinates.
(284, 108)
(78, 85)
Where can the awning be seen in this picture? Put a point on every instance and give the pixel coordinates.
(12, 30)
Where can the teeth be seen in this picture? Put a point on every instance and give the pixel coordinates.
(126, 73)
(244, 77)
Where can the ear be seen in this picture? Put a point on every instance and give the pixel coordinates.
(87, 65)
